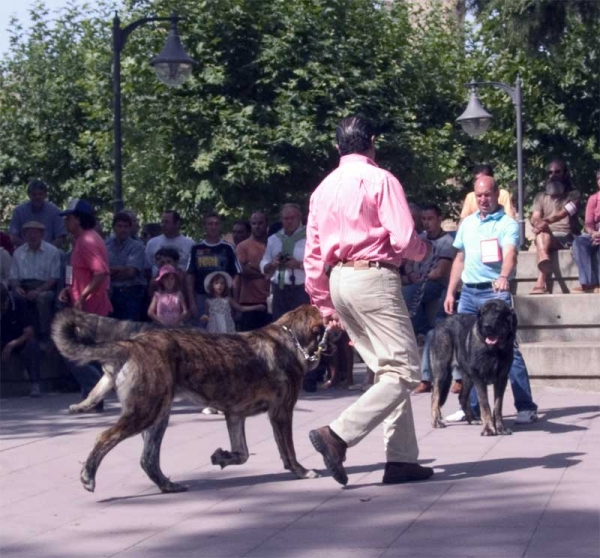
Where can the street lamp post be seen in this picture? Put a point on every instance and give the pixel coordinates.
(476, 120)
(173, 66)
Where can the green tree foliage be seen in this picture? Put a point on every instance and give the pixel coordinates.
(254, 126)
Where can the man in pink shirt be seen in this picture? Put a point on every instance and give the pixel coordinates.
(361, 228)
(87, 279)
(587, 244)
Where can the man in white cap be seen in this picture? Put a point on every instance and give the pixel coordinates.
(34, 274)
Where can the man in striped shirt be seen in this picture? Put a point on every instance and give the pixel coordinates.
(361, 228)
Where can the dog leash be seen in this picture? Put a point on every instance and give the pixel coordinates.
(320, 349)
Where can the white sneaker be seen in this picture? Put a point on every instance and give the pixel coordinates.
(526, 417)
(209, 411)
(458, 416)
(35, 390)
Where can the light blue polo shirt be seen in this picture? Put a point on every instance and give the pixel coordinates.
(468, 239)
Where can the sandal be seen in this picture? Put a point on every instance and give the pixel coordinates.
(539, 291)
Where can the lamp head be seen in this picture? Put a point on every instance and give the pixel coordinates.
(475, 120)
(173, 66)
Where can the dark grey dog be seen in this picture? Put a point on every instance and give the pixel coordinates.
(481, 346)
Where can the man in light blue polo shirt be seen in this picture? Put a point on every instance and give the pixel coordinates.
(487, 242)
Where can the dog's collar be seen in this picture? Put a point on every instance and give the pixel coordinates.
(322, 345)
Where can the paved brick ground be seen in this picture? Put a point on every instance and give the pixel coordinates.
(533, 494)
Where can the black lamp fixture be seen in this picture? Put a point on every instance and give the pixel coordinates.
(173, 67)
(475, 121)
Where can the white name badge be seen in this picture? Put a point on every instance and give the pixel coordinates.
(490, 251)
(69, 275)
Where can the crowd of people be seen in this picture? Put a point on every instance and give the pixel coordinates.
(412, 272)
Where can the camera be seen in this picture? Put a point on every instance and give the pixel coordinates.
(284, 257)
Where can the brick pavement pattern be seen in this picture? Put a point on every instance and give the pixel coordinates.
(533, 494)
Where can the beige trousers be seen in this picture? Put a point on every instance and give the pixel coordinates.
(370, 304)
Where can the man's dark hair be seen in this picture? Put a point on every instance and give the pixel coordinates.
(211, 214)
(86, 221)
(432, 207)
(122, 217)
(176, 216)
(37, 185)
(168, 253)
(485, 169)
(151, 230)
(354, 135)
(245, 224)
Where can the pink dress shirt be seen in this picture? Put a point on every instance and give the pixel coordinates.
(592, 212)
(359, 212)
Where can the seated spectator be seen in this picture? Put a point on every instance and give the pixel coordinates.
(39, 210)
(554, 223)
(504, 198)
(427, 283)
(126, 259)
(17, 337)
(34, 276)
(586, 247)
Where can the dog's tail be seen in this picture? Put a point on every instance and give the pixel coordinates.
(74, 334)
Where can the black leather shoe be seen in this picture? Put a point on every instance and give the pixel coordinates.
(333, 450)
(397, 473)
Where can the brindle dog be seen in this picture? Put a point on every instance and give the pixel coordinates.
(239, 374)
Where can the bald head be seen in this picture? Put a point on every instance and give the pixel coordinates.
(486, 194)
(485, 182)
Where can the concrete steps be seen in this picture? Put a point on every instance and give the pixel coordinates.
(565, 275)
(559, 334)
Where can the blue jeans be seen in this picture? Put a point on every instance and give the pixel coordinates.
(470, 301)
(588, 260)
(433, 291)
(86, 375)
(128, 302)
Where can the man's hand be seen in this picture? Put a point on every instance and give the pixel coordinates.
(333, 322)
(79, 303)
(7, 351)
(501, 284)
(65, 295)
(540, 225)
(449, 304)
(595, 238)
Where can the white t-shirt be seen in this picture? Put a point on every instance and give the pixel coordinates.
(181, 243)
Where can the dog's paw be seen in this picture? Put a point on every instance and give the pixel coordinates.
(87, 481)
(172, 487)
(74, 409)
(439, 423)
(306, 473)
(503, 431)
(488, 431)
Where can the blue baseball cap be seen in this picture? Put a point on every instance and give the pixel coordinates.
(76, 204)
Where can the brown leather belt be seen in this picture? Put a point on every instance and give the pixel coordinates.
(364, 264)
